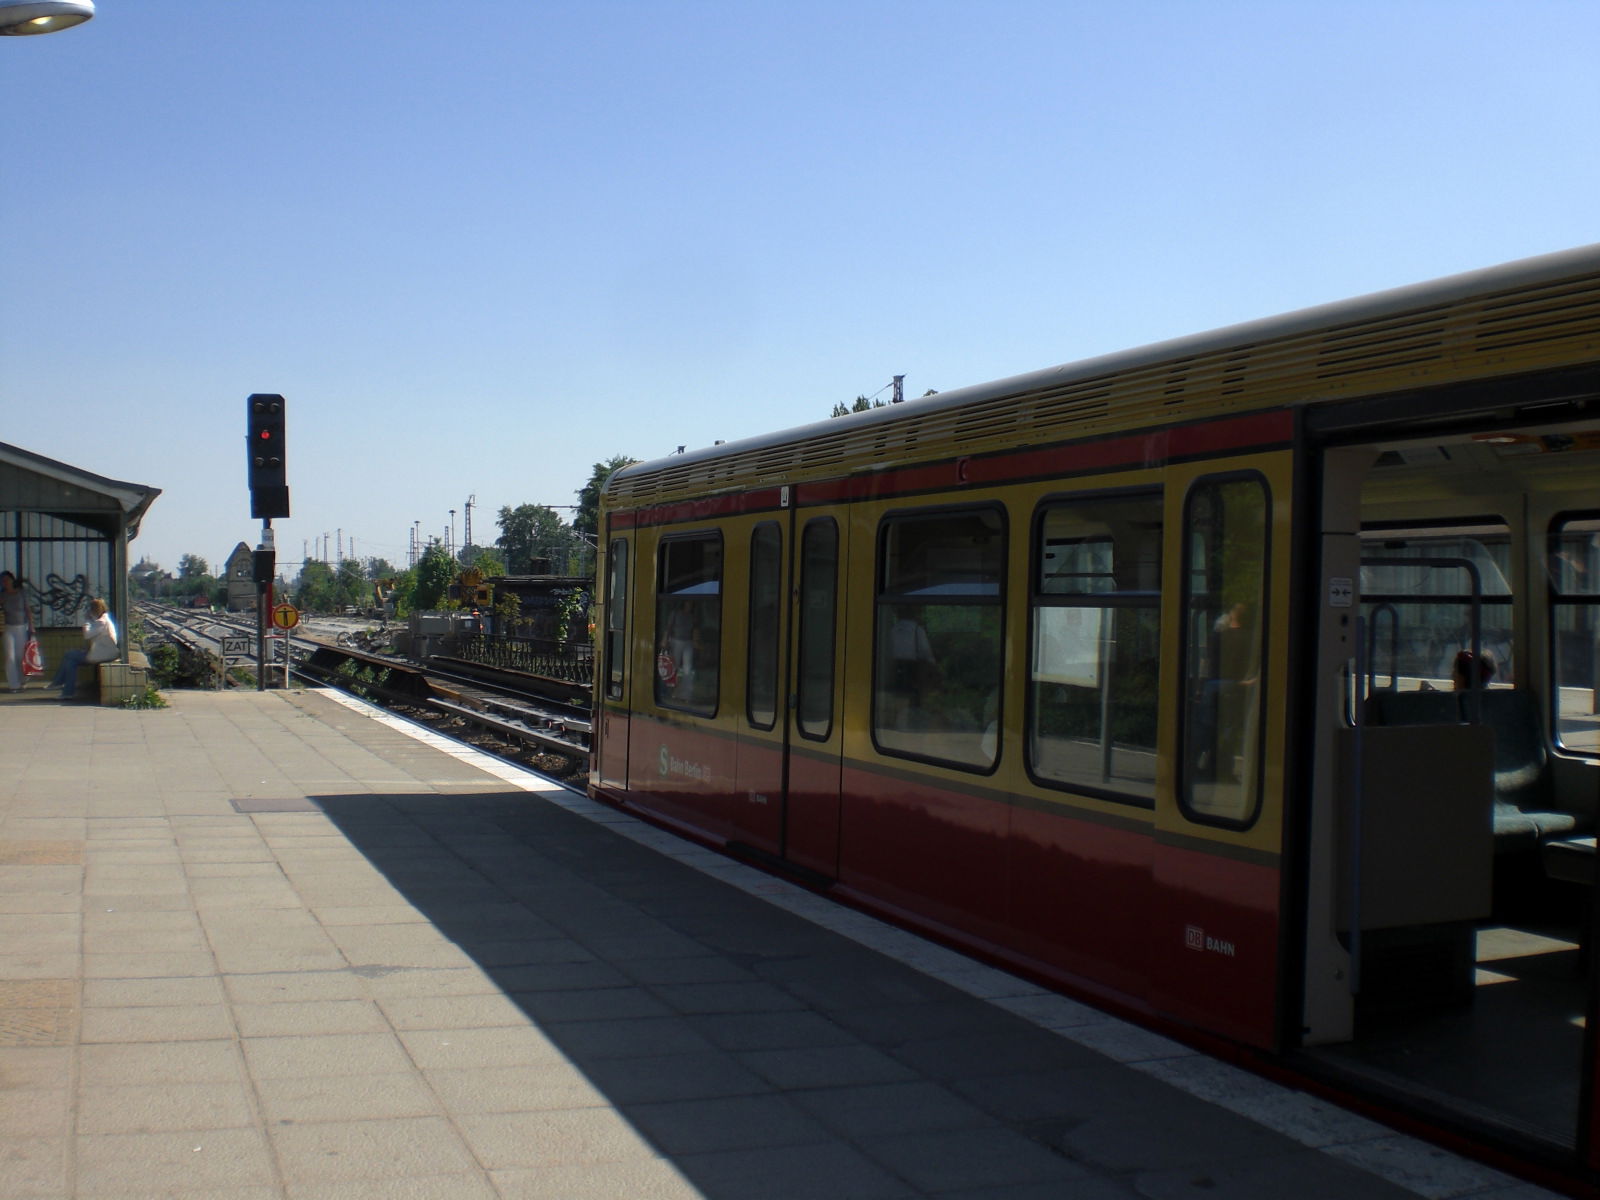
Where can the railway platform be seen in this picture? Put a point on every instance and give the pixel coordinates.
(284, 945)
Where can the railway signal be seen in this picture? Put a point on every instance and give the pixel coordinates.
(267, 470)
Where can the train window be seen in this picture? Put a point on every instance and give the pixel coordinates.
(1575, 631)
(766, 597)
(938, 657)
(1224, 594)
(819, 589)
(616, 617)
(689, 623)
(1096, 644)
(1428, 593)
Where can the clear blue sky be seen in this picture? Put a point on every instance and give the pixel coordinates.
(481, 247)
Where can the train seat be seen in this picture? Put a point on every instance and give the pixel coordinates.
(1416, 708)
(1524, 813)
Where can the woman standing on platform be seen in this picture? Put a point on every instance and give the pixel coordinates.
(14, 603)
(101, 635)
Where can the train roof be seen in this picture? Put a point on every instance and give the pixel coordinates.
(1494, 321)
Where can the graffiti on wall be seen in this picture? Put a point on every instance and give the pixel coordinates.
(61, 601)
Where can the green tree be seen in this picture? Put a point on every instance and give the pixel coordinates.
(381, 568)
(314, 590)
(586, 520)
(435, 570)
(860, 404)
(533, 536)
(488, 561)
(350, 585)
(194, 579)
(405, 591)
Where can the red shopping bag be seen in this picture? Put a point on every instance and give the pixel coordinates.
(32, 658)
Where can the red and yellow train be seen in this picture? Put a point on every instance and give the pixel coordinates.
(1139, 675)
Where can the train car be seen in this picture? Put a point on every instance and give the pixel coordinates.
(1246, 684)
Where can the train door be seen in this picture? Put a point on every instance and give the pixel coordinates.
(1454, 757)
(1216, 861)
(761, 725)
(815, 724)
(611, 742)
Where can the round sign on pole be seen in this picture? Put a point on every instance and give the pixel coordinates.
(286, 616)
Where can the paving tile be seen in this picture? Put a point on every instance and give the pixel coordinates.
(142, 1108)
(528, 1088)
(165, 964)
(369, 915)
(1305, 1175)
(885, 1109)
(398, 945)
(34, 1112)
(146, 941)
(287, 987)
(142, 880)
(125, 1064)
(149, 1023)
(595, 1041)
(34, 1166)
(138, 993)
(510, 1046)
(285, 954)
(191, 1161)
(29, 1068)
(98, 923)
(593, 1004)
(364, 1151)
(664, 1077)
(552, 1137)
(652, 1179)
(820, 1171)
(40, 933)
(965, 1158)
(330, 1054)
(310, 1017)
(770, 1031)
(460, 1186)
(346, 1098)
(1175, 1131)
(825, 1066)
(485, 1010)
(64, 964)
(725, 1123)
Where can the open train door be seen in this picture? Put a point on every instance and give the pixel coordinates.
(1448, 961)
(815, 727)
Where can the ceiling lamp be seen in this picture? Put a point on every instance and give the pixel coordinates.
(42, 16)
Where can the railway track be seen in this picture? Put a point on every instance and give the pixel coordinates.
(539, 722)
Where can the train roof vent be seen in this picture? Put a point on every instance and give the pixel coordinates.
(988, 421)
(1416, 337)
(1176, 381)
(1551, 314)
(1065, 407)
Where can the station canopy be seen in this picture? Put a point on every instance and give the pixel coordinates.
(65, 531)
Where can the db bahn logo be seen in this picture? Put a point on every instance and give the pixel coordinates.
(1195, 938)
(671, 765)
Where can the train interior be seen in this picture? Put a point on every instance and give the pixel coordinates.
(1464, 728)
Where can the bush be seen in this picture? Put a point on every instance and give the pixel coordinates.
(149, 698)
